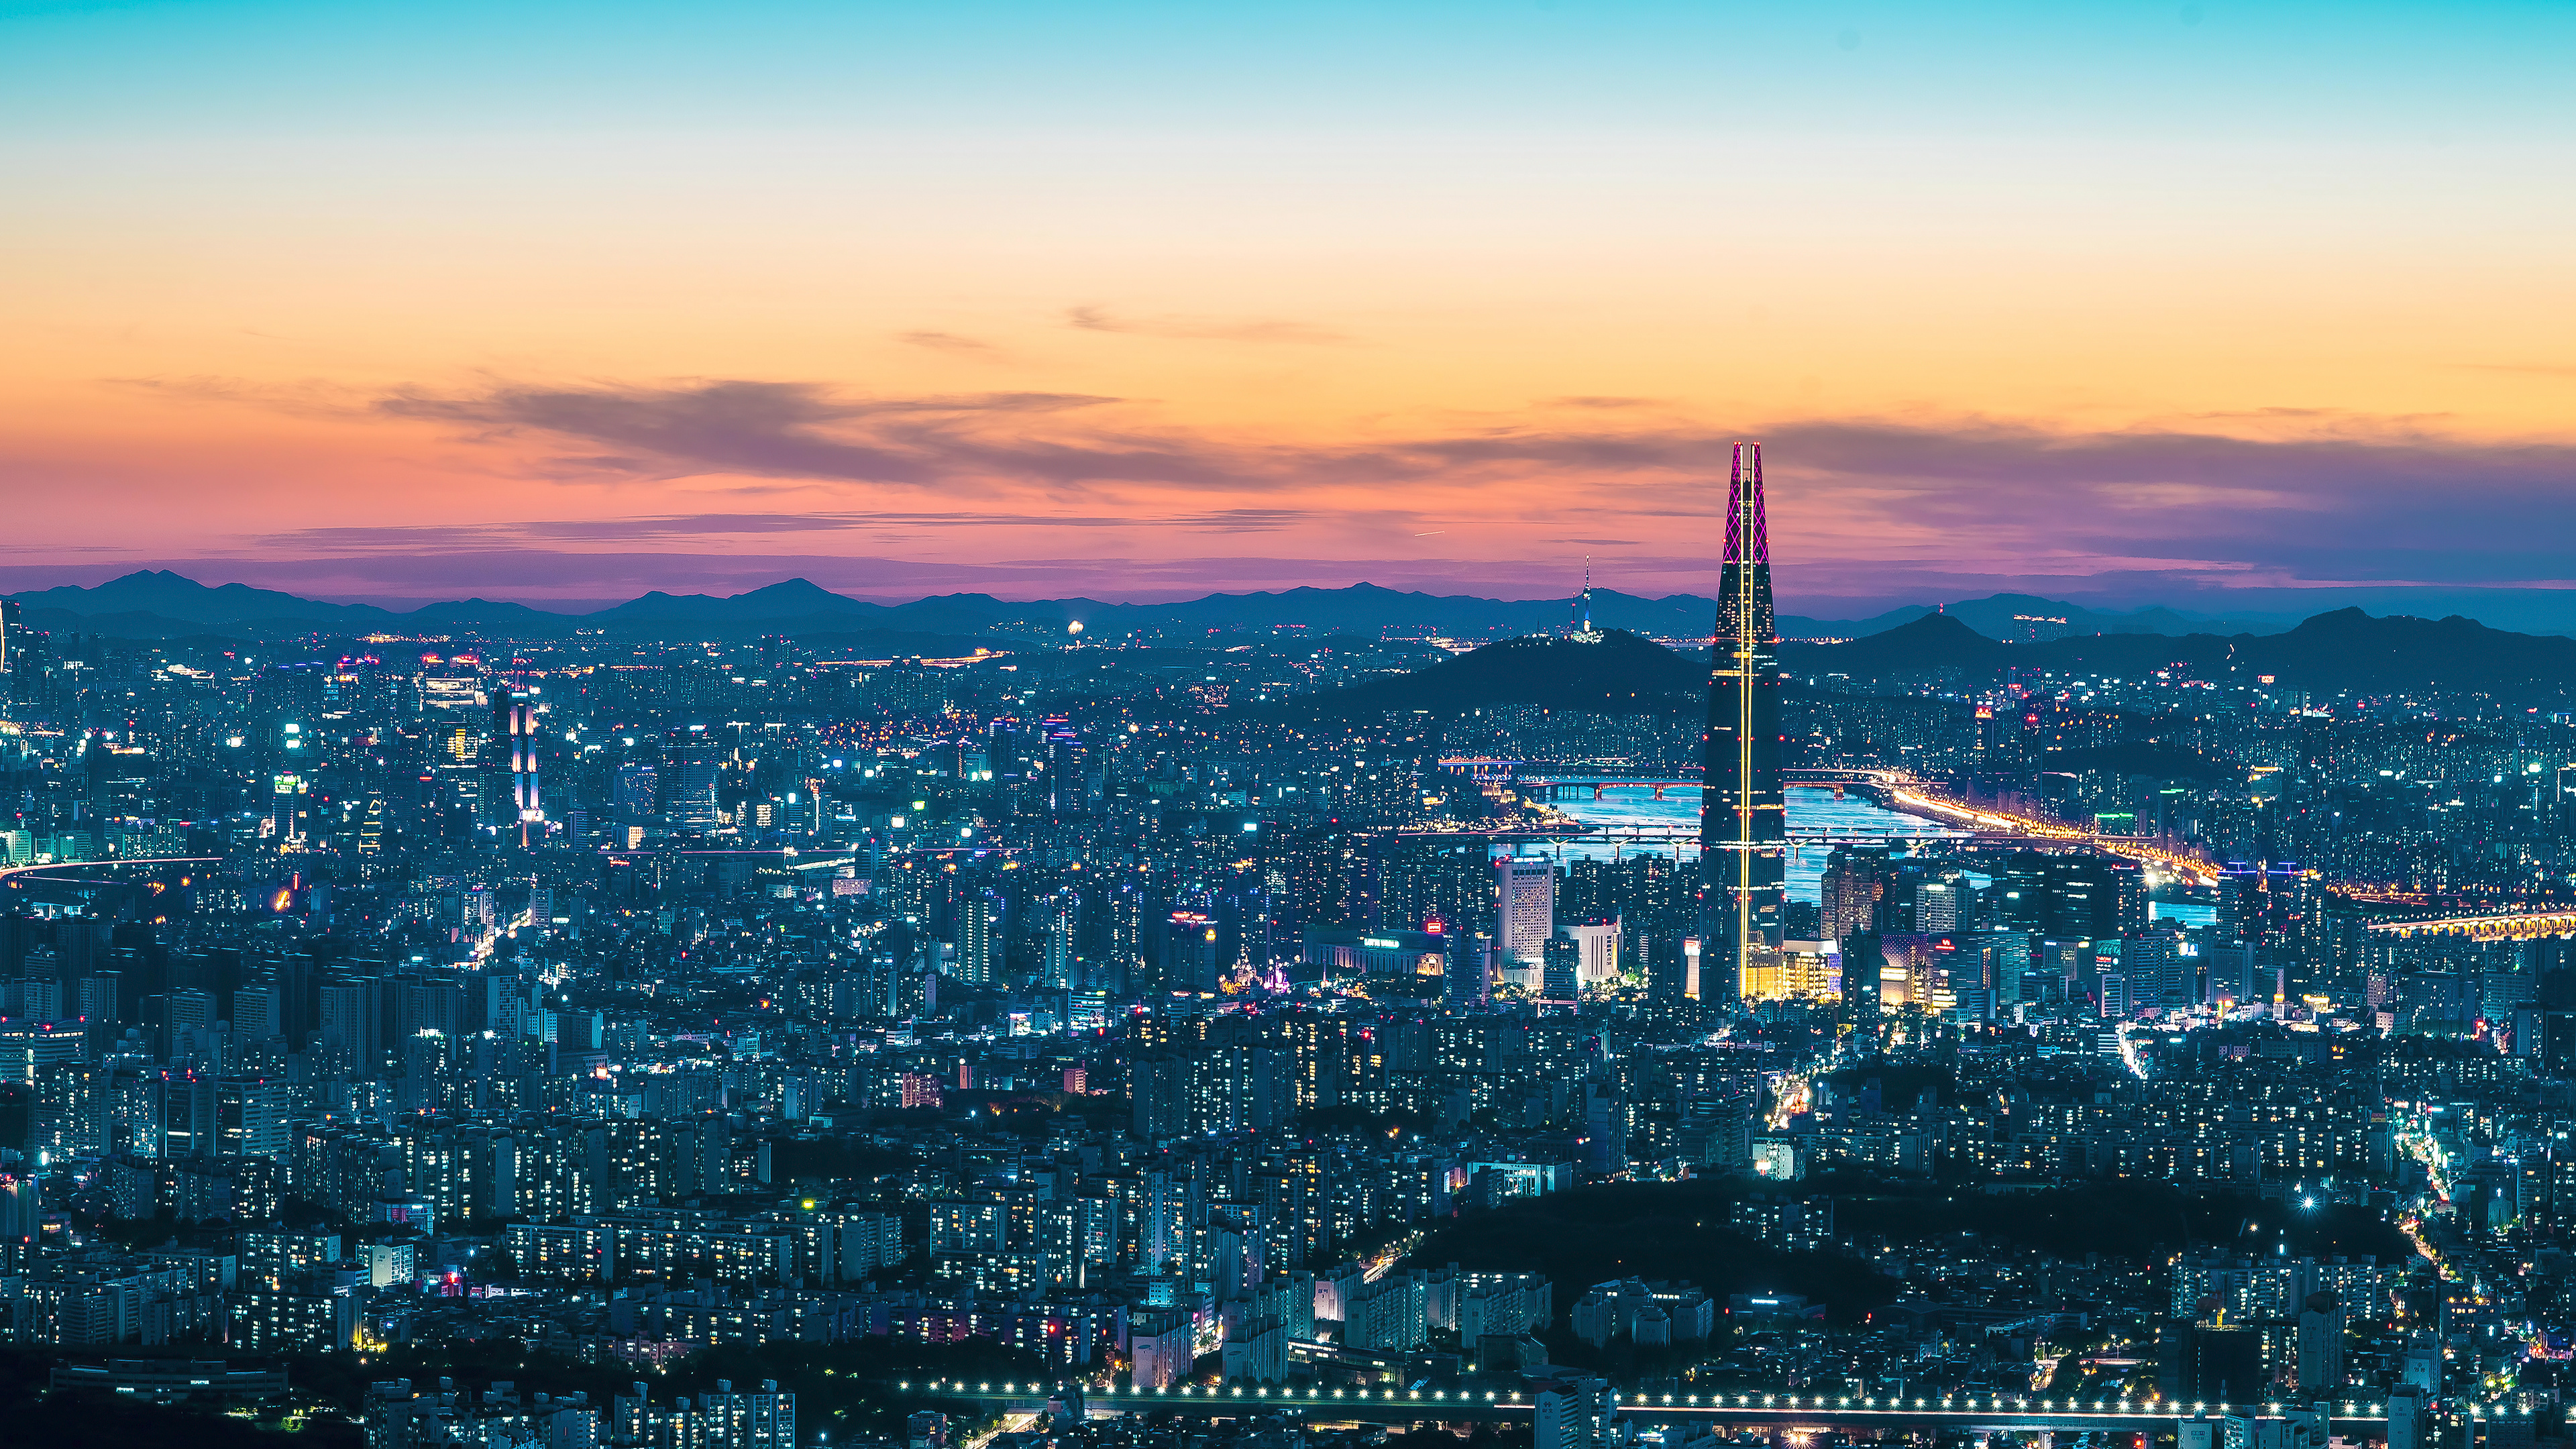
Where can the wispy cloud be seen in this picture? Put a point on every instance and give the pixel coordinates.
(312, 398)
(806, 430)
(2283, 497)
(1200, 329)
(697, 527)
(954, 343)
(2340, 500)
(2318, 495)
(1244, 520)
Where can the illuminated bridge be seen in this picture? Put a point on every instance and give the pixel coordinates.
(1689, 835)
(18, 870)
(2524, 926)
(1966, 1414)
(1552, 787)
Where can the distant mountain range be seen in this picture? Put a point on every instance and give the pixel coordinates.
(2344, 651)
(2024, 618)
(162, 604)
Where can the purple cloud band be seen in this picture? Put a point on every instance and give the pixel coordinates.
(1862, 509)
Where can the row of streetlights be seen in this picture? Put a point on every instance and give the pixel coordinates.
(1868, 1403)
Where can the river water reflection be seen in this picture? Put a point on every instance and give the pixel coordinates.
(1809, 810)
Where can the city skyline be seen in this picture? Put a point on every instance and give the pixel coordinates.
(819, 724)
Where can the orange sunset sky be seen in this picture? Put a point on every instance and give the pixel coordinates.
(2122, 304)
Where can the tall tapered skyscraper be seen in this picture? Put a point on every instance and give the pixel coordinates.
(1743, 825)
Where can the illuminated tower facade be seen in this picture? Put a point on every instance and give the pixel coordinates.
(518, 805)
(1743, 825)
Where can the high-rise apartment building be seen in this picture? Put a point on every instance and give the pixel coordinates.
(250, 1117)
(1062, 923)
(979, 933)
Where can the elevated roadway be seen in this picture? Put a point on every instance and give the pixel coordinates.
(2507, 926)
(10, 872)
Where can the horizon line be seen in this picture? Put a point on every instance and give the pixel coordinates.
(577, 608)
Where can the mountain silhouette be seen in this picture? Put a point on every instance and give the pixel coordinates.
(1621, 673)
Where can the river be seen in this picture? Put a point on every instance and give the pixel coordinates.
(1813, 810)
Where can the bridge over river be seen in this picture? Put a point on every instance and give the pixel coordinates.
(1968, 1416)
